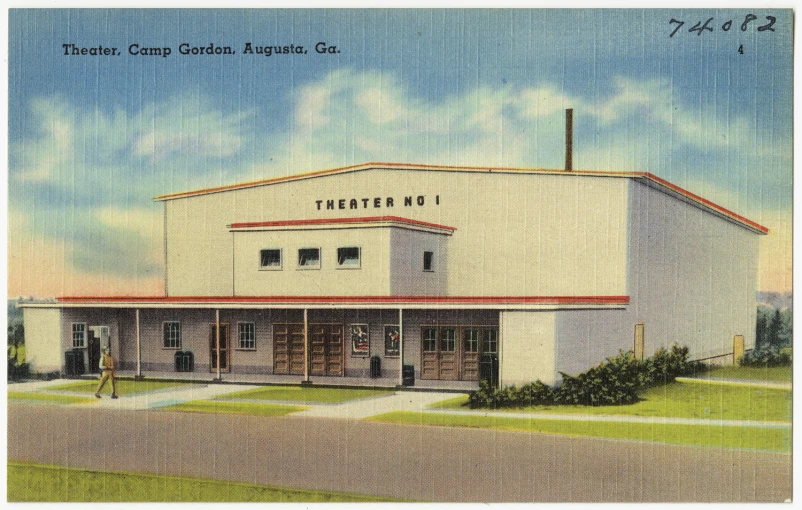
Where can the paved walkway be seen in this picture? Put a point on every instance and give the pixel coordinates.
(361, 408)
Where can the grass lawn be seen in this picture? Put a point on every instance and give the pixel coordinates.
(750, 438)
(45, 397)
(303, 394)
(216, 406)
(775, 374)
(36, 482)
(682, 400)
(124, 386)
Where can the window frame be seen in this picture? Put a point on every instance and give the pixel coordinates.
(309, 266)
(85, 335)
(280, 265)
(239, 336)
(164, 336)
(430, 269)
(358, 264)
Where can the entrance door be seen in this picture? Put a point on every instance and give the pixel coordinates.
(326, 354)
(224, 351)
(98, 338)
(471, 339)
(288, 348)
(439, 358)
(475, 343)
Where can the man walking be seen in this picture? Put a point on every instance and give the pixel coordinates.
(107, 368)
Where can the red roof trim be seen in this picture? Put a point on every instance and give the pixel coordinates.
(545, 300)
(706, 202)
(376, 165)
(329, 221)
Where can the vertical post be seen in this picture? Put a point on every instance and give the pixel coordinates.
(306, 346)
(737, 348)
(569, 139)
(138, 347)
(217, 342)
(639, 341)
(401, 346)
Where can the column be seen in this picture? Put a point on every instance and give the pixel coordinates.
(401, 346)
(217, 342)
(138, 348)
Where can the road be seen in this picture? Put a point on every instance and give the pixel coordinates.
(440, 464)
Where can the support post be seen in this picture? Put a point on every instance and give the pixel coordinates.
(306, 347)
(138, 349)
(401, 346)
(640, 341)
(217, 343)
(737, 348)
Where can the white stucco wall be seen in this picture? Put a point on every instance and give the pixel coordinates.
(527, 347)
(371, 277)
(43, 339)
(692, 280)
(518, 234)
(407, 277)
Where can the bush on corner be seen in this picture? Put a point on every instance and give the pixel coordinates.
(615, 381)
(766, 356)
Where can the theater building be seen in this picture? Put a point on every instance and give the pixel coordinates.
(315, 277)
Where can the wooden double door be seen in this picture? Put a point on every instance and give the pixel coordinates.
(326, 349)
(453, 353)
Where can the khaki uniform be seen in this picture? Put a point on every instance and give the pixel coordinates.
(107, 365)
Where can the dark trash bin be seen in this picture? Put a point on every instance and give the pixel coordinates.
(375, 367)
(184, 361)
(408, 375)
(189, 361)
(74, 362)
(488, 368)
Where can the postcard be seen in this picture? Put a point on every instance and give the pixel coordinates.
(400, 255)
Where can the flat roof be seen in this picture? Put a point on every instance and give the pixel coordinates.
(362, 222)
(643, 177)
(388, 302)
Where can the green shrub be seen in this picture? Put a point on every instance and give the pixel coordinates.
(766, 356)
(615, 381)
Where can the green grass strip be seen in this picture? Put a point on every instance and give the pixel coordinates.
(216, 406)
(680, 400)
(775, 374)
(40, 483)
(124, 386)
(748, 438)
(303, 394)
(45, 397)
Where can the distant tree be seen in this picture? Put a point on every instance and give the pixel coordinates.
(761, 331)
(775, 329)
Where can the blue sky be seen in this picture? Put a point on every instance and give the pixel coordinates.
(93, 139)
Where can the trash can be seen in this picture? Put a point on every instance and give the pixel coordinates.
(184, 361)
(179, 361)
(375, 367)
(189, 361)
(488, 368)
(74, 362)
(408, 375)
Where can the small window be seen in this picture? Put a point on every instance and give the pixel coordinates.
(428, 261)
(172, 335)
(79, 334)
(348, 257)
(471, 340)
(247, 335)
(491, 340)
(309, 258)
(430, 340)
(448, 340)
(270, 259)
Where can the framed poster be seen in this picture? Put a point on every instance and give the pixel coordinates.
(360, 340)
(391, 341)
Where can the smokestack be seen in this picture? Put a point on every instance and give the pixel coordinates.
(569, 139)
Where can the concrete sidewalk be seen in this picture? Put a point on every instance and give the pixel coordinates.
(358, 409)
